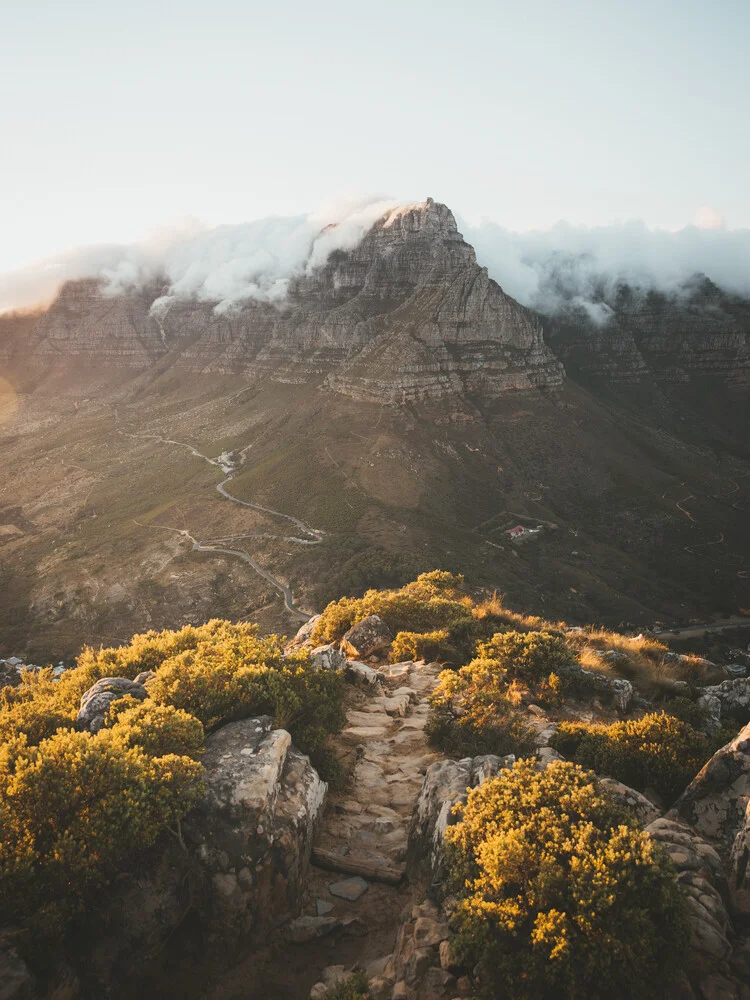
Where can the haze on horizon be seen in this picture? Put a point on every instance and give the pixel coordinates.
(120, 118)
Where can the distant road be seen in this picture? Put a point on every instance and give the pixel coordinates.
(696, 630)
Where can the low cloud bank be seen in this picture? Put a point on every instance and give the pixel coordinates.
(227, 265)
(569, 266)
(551, 270)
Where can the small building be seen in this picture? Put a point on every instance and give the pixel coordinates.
(518, 532)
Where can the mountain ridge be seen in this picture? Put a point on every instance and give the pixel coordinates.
(407, 314)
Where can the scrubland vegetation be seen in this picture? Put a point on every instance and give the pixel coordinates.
(560, 894)
(73, 804)
(556, 886)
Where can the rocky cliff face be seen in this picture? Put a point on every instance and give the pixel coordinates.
(406, 314)
(669, 338)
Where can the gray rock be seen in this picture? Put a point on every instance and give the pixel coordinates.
(701, 879)
(145, 676)
(364, 672)
(328, 657)
(445, 784)
(622, 694)
(96, 701)
(304, 929)
(258, 819)
(546, 755)
(303, 636)
(733, 697)
(369, 636)
(645, 811)
(9, 675)
(323, 907)
(349, 888)
(715, 802)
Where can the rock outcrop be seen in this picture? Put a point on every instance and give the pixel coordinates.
(237, 865)
(696, 331)
(369, 636)
(446, 783)
(96, 701)
(253, 831)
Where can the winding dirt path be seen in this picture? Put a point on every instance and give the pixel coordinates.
(230, 468)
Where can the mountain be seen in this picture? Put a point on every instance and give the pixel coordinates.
(395, 412)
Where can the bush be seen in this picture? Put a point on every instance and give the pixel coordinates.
(657, 751)
(470, 713)
(529, 657)
(217, 682)
(429, 646)
(560, 895)
(434, 602)
(354, 987)
(72, 807)
(158, 730)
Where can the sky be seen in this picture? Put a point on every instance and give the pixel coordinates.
(116, 119)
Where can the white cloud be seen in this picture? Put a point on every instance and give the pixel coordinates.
(583, 266)
(708, 218)
(563, 265)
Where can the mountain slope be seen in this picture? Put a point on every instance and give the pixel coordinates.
(400, 402)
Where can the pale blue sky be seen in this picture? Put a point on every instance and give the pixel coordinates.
(115, 118)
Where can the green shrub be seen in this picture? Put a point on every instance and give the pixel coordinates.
(217, 682)
(470, 713)
(354, 987)
(159, 730)
(560, 895)
(72, 807)
(434, 602)
(529, 657)
(657, 751)
(428, 646)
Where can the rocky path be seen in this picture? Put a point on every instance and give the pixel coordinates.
(367, 823)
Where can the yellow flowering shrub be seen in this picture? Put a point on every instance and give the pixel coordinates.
(434, 602)
(74, 805)
(71, 808)
(657, 751)
(560, 894)
(422, 646)
(470, 713)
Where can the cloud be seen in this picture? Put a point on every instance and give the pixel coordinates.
(227, 265)
(708, 218)
(549, 270)
(582, 267)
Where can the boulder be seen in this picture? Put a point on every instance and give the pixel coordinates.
(446, 783)
(617, 690)
(700, 876)
(715, 801)
(9, 675)
(364, 673)
(730, 699)
(369, 636)
(645, 810)
(96, 701)
(328, 657)
(303, 636)
(254, 828)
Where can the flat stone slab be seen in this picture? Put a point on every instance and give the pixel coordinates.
(349, 888)
(323, 907)
(366, 732)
